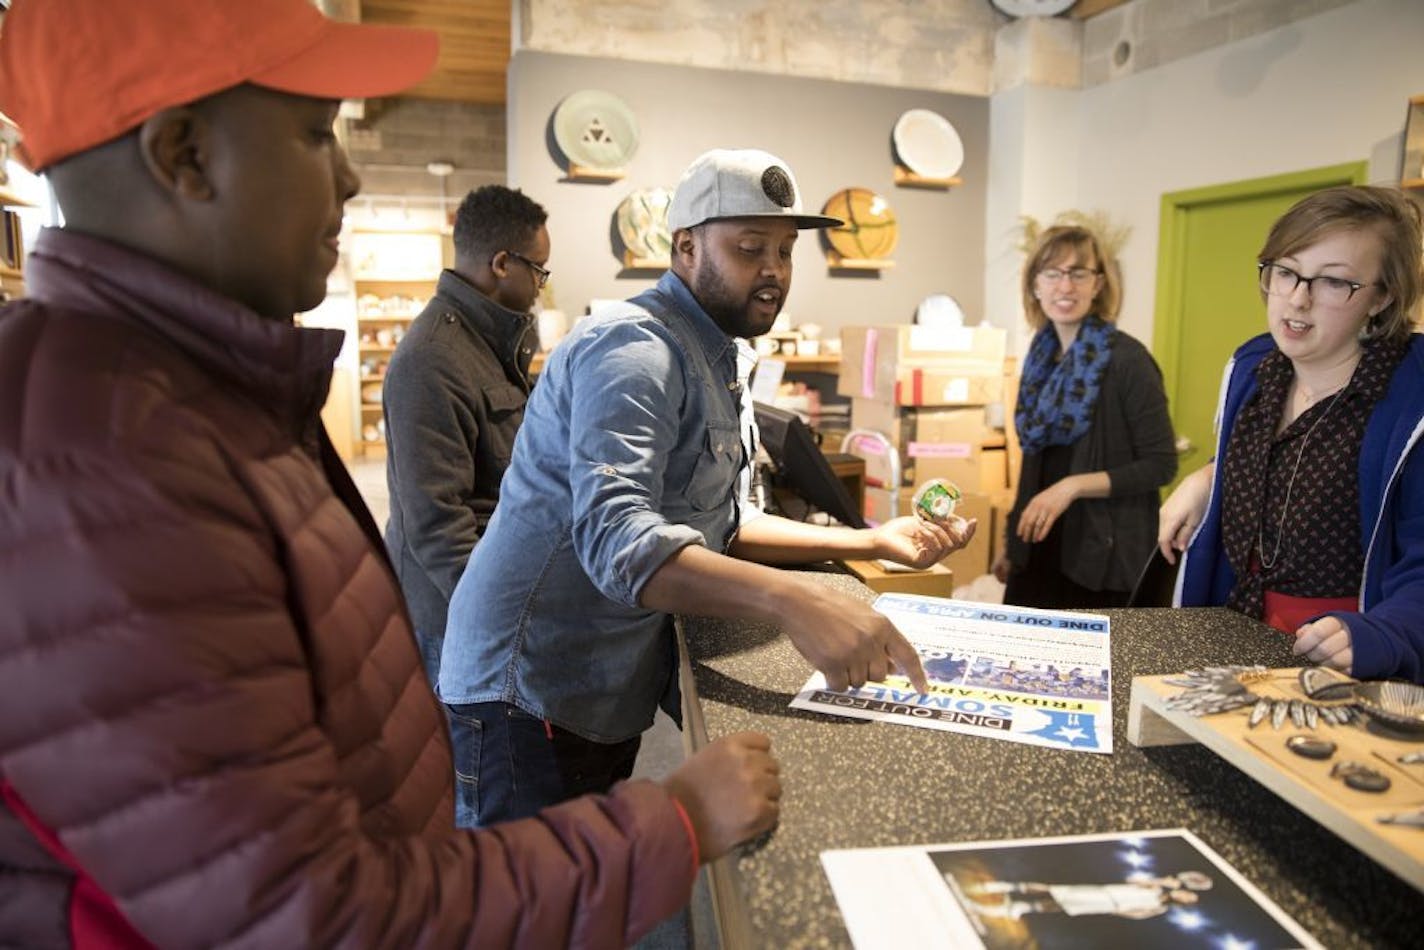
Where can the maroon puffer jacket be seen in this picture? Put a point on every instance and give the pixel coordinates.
(215, 727)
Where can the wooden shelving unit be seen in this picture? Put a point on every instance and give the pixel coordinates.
(1412, 164)
(393, 277)
(908, 179)
(379, 332)
(12, 246)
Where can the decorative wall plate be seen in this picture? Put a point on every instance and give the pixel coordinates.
(927, 144)
(939, 310)
(870, 230)
(642, 223)
(1033, 7)
(595, 129)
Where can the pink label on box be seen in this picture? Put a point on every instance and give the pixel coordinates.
(868, 445)
(867, 362)
(940, 450)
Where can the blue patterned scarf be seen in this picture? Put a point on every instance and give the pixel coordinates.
(1056, 399)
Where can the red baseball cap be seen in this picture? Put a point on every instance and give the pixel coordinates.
(76, 73)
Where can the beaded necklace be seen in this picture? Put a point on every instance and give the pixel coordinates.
(1269, 563)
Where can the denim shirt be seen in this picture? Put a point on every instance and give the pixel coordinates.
(631, 450)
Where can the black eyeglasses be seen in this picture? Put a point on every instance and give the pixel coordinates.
(541, 273)
(1077, 276)
(1281, 281)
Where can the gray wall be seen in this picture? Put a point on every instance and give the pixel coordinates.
(833, 135)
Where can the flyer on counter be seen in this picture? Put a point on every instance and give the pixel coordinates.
(1134, 889)
(1041, 677)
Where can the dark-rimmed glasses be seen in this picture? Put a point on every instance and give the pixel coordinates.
(1077, 276)
(541, 273)
(1280, 281)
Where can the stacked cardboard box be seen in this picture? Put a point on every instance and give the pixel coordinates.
(925, 389)
(955, 444)
(923, 366)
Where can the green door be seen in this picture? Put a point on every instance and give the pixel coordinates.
(1207, 298)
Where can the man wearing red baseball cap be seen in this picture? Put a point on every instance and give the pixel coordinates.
(216, 729)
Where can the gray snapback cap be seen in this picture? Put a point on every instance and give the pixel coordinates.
(739, 183)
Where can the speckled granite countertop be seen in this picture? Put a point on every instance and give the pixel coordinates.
(850, 783)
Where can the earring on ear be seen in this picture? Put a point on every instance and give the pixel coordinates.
(1370, 328)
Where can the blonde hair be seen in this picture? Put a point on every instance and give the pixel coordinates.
(1388, 213)
(1083, 245)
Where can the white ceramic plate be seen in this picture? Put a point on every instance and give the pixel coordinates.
(927, 144)
(1033, 7)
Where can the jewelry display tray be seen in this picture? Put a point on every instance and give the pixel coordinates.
(1305, 783)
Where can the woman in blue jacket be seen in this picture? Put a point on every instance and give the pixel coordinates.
(1311, 516)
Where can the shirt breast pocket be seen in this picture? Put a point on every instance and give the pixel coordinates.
(502, 401)
(715, 473)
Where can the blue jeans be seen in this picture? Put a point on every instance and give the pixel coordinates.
(510, 765)
(430, 645)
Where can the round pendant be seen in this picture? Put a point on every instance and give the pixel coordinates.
(1311, 747)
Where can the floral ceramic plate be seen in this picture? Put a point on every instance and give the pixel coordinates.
(642, 223)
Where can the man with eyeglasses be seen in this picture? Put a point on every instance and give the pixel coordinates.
(454, 398)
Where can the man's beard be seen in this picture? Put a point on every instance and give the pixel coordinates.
(734, 315)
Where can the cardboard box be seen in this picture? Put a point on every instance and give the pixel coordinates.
(968, 562)
(938, 581)
(932, 443)
(923, 366)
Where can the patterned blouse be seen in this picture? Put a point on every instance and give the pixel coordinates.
(1291, 502)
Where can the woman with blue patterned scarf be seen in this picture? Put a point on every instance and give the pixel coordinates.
(1097, 441)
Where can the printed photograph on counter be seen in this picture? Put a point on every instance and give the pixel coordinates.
(1135, 889)
(1040, 677)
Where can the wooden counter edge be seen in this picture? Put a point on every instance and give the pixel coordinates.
(724, 881)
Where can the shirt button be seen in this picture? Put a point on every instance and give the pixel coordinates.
(449, 318)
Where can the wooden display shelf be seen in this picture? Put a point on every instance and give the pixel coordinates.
(908, 179)
(584, 173)
(394, 279)
(375, 348)
(387, 317)
(838, 262)
(808, 364)
(1412, 184)
(8, 199)
(1304, 783)
(632, 262)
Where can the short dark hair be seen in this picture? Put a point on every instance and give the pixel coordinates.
(494, 218)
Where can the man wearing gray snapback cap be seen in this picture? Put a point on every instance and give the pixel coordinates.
(620, 507)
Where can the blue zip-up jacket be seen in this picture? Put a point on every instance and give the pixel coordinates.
(1387, 632)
